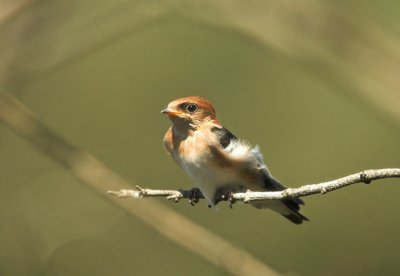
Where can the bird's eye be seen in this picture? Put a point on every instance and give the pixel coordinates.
(191, 108)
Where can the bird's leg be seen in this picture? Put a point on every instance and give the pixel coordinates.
(225, 195)
(231, 200)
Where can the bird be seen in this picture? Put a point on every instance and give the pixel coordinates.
(218, 162)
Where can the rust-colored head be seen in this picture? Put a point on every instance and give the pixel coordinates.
(193, 110)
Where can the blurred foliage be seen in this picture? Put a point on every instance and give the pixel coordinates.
(313, 83)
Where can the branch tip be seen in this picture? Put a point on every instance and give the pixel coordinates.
(125, 193)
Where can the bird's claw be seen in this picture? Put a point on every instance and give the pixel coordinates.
(194, 196)
(228, 197)
(364, 178)
(231, 200)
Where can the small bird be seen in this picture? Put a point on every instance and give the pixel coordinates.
(219, 163)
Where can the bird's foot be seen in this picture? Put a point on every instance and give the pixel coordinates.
(364, 178)
(228, 196)
(231, 200)
(194, 195)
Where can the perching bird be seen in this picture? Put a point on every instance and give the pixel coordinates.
(219, 163)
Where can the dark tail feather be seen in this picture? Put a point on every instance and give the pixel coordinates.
(294, 216)
(289, 208)
(292, 212)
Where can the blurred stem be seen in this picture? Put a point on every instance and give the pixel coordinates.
(90, 171)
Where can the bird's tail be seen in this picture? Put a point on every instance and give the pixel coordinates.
(288, 207)
(293, 207)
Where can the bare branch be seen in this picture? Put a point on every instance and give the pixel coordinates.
(362, 177)
(140, 192)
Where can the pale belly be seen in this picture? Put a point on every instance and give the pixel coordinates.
(208, 176)
(211, 179)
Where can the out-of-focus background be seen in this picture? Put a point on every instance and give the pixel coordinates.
(315, 84)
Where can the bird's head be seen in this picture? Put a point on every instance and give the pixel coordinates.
(190, 112)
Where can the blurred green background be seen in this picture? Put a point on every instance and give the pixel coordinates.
(314, 84)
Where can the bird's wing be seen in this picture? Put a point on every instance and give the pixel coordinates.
(237, 157)
(225, 137)
(248, 164)
(243, 159)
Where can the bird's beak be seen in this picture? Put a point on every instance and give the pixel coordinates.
(170, 112)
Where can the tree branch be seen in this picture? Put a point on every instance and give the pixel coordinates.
(322, 188)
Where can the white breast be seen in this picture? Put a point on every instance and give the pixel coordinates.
(207, 176)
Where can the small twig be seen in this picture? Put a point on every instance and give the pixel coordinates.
(173, 195)
(362, 177)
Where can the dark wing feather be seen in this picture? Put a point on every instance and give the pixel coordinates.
(225, 136)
